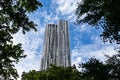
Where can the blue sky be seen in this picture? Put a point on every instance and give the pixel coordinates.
(84, 39)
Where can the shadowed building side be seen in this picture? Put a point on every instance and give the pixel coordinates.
(50, 46)
(56, 49)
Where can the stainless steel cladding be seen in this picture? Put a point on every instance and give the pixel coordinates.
(56, 49)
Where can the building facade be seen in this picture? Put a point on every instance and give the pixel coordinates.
(56, 49)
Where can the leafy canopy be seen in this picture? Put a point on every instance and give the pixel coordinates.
(103, 13)
(13, 18)
(93, 69)
(97, 70)
(53, 73)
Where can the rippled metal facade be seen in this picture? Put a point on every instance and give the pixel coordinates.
(56, 49)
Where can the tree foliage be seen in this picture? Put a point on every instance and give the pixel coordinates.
(93, 69)
(97, 70)
(53, 73)
(103, 13)
(114, 63)
(13, 18)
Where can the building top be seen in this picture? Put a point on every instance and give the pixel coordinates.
(51, 25)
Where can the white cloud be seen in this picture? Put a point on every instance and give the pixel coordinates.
(49, 18)
(93, 47)
(32, 44)
(66, 8)
(83, 28)
(28, 64)
(81, 53)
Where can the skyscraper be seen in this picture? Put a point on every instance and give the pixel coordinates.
(56, 49)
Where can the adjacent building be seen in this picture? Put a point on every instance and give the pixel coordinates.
(56, 48)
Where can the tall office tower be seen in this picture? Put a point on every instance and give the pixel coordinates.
(56, 49)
